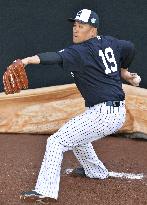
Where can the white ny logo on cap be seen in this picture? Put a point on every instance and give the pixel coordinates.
(83, 15)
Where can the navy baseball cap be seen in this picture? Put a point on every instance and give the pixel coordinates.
(86, 16)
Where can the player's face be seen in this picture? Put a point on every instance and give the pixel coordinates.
(82, 32)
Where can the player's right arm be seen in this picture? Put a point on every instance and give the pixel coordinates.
(126, 56)
(132, 78)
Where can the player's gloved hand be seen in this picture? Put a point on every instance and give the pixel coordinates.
(15, 78)
(135, 79)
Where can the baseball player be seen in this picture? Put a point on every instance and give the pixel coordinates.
(97, 64)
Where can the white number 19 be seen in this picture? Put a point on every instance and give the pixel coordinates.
(108, 56)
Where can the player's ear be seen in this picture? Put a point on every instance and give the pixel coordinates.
(93, 31)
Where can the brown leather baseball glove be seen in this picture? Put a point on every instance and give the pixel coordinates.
(15, 78)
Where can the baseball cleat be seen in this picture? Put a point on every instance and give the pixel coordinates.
(79, 171)
(33, 196)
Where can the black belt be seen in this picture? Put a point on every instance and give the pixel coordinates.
(113, 103)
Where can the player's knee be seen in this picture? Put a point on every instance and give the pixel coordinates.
(52, 139)
(55, 142)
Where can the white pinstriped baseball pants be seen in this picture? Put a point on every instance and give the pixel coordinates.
(77, 134)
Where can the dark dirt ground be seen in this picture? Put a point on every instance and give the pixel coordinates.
(21, 157)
